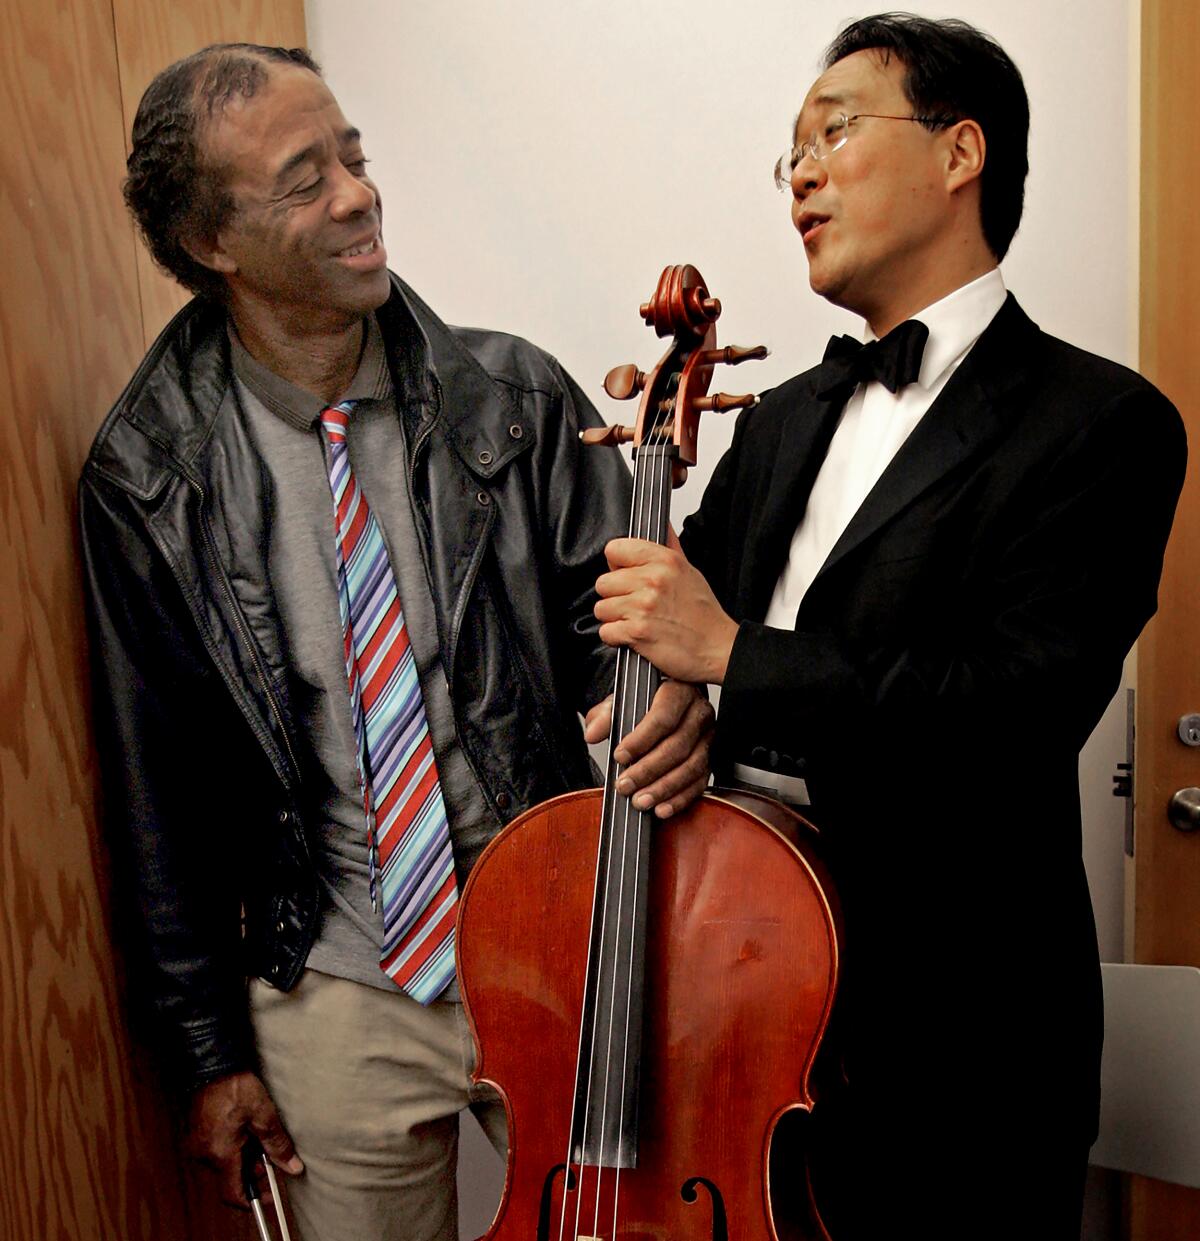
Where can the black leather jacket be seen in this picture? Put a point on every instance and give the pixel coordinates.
(211, 852)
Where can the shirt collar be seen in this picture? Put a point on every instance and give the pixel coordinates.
(955, 323)
(296, 406)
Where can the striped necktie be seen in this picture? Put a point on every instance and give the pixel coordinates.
(408, 835)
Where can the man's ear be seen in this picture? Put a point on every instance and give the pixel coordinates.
(208, 252)
(966, 151)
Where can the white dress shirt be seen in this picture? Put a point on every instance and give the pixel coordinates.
(873, 425)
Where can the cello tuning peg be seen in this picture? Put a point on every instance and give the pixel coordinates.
(623, 382)
(702, 307)
(721, 402)
(610, 437)
(732, 355)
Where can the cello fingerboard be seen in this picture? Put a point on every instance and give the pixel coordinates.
(604, 1124)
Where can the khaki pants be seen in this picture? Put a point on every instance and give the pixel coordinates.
(369, 1085)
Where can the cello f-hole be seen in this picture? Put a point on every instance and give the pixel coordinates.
(720, 1222)
(547, 1203)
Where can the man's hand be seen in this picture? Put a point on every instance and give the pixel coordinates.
(654, 601)
(667, 750)
(223, 1114)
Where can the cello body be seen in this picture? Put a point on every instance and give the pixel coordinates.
(649, 997)
(742, 954)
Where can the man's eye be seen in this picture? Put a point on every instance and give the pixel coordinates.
(309, 187)
(358, 166)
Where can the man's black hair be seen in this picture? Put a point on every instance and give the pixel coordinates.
(954, 72)
(175, 195)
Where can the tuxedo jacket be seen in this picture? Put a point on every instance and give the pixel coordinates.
(947, 664)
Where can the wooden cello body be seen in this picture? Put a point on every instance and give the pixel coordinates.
(649, 998)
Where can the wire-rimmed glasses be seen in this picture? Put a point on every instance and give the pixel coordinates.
(821, 144)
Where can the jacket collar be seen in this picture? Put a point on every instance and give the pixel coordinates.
(165, 418)
(474, 412)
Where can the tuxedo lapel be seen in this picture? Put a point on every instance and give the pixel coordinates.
(790, 463)
(968, 414)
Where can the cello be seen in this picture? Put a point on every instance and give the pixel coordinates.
(647, 997)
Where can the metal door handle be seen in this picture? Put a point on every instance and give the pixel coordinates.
(1184, 809)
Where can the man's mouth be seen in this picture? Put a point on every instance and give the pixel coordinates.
(810, 225)
(363, 247)
(365, 256)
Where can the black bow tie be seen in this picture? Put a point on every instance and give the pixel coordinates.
(894, 361)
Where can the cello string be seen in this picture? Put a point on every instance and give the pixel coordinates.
(644, 522)
(622, 721)
(649, 527)
(606, 809)
(608, 829)
(645, 461)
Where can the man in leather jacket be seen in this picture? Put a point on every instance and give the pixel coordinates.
(222, 707)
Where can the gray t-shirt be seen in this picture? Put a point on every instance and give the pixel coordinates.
(302, 574)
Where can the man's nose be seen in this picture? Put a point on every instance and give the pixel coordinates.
(808, 175)
(353, 197)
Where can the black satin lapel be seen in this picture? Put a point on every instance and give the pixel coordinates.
(799, 453)
(968, 414)
(935, 447)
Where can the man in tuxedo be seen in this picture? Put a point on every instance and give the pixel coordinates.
(915, 575)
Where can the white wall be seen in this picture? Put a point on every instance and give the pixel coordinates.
(542, 160)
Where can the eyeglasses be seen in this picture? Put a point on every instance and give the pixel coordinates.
(822, 144)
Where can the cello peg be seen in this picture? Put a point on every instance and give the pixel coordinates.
(623, 382)
(721, 402)
(610, 437)
(732, 355)
(703, 308)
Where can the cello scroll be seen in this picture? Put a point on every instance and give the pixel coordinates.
(675, 392)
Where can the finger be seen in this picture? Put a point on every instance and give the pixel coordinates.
(638, 607)
(675, 762)
(680, 801)
(673, 540)
(597, 724)
(616, 633)
(269, 1130)
(674, 780)
(668, 708)
(624, 552)
(622, 581)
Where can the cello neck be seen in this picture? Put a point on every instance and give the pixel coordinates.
(637, 679)
(604, 1128)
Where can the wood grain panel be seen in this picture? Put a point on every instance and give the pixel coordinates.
(1166, 866)
(151, 34)
(73, 1125)
(87, 1151)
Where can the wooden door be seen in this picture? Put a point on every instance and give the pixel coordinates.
(87, 1148)
(1165, 887)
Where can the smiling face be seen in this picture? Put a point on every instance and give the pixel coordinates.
(302, 252)
(883, 219)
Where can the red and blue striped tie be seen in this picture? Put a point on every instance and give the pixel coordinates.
(407, 831)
